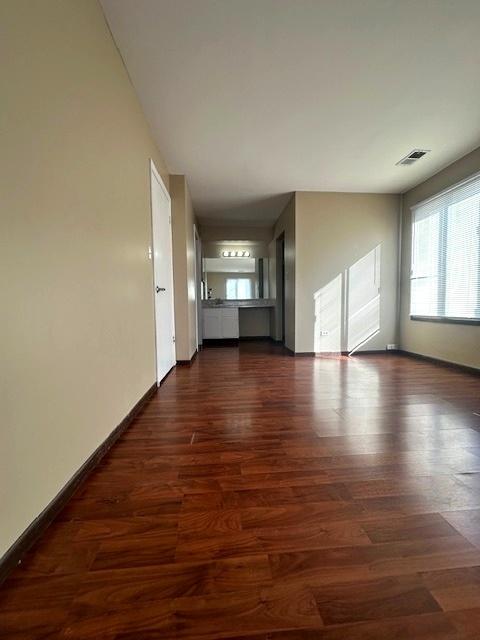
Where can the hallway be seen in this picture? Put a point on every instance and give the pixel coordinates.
(263, 495)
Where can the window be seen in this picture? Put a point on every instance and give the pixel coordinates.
(445, 274)
(239, 289)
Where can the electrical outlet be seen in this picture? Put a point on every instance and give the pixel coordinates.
(324, 333)
(391, 347)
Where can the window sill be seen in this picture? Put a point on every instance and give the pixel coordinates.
(446, 320)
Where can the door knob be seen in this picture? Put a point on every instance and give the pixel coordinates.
(158, 289)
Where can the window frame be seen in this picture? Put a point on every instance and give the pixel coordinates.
(442, 240)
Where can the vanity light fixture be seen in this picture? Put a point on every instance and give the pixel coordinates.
(236, 254)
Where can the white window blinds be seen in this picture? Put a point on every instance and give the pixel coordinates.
(445, 274)
(238, 289)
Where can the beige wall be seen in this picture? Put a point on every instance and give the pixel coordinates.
(459, 343)
(216, 239)
(183, 221)
(333, 232)
(213, 249)
(212, 233)
(285, 224)
(77, 324)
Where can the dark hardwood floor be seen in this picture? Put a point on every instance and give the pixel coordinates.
(264, 496)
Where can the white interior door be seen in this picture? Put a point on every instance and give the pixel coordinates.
(162, 275)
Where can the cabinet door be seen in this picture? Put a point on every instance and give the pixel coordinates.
(230, 323)
(212, 323)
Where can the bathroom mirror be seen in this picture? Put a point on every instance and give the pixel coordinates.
(235, 278)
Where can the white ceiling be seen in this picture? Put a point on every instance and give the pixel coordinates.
(253, 99)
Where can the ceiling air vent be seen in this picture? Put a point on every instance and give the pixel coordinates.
(413, 156)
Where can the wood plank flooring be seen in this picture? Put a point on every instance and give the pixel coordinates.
(266, 497)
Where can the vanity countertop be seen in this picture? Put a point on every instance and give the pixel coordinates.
(257, 303)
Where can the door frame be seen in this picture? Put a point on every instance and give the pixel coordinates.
(197, 244)
(280, 333)
(155, 174)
